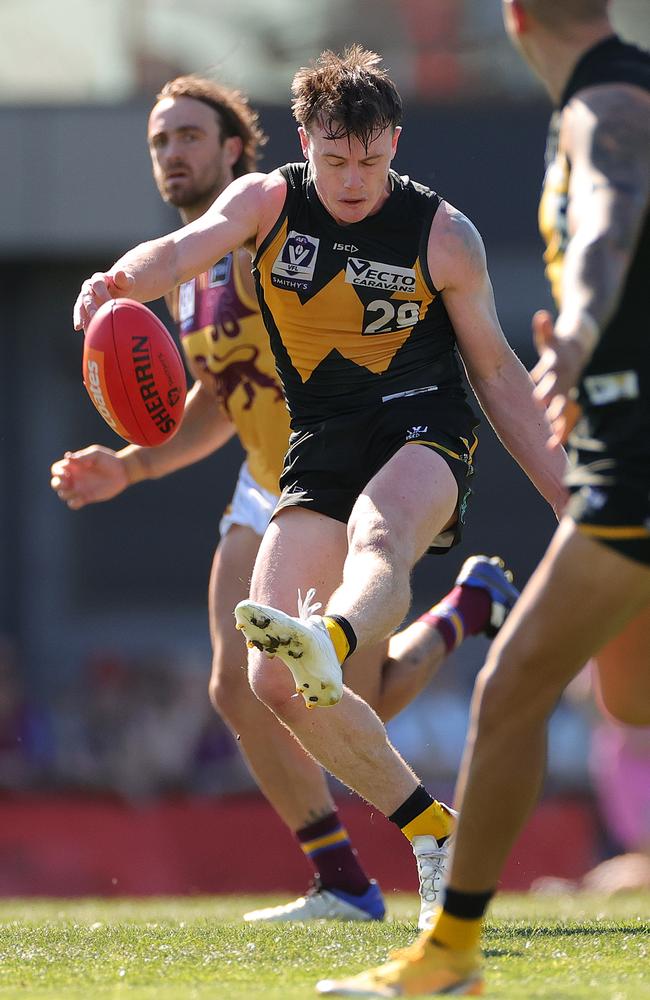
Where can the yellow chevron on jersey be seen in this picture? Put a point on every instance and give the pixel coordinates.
(352, 312)
(335, 318)
(227, 346)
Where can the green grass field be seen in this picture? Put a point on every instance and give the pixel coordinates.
(195, 949)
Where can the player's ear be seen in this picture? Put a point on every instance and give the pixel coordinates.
(518, 16)
(304, 141)
(233, 148)
(396, 134)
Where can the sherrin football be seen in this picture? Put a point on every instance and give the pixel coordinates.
(134, 373)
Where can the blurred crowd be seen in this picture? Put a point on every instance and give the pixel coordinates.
(141, 726)
(131, 725)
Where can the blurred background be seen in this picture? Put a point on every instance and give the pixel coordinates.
(104, 653)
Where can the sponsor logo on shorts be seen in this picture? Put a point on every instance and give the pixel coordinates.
(373, 274)
(293, 268)
(415, 432)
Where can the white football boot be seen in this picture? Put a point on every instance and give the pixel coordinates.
(302, 643)
(324, 904)
(433, 863)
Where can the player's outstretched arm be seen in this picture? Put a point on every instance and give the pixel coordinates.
(502, 385)
(152, 269)
(97, 473)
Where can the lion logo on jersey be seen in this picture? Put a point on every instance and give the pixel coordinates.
(238, 367)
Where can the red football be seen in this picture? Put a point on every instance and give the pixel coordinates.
(134, 373)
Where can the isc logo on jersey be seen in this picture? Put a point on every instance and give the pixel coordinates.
(294, 266)
(373, 274)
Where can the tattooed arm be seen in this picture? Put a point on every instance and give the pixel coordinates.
(605, 134)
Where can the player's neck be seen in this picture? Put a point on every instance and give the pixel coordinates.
(190, 213)
(555, 60)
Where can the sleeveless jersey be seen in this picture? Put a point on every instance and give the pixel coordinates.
(352, 312)
(624, 344)
(224, 340)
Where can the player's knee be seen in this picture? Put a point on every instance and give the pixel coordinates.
(513, 685)
(377, 546)
(272, 688)
(229, 693)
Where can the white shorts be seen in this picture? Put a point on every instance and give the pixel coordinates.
(250, 506)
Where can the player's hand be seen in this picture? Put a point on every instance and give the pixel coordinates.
(96, 290)
(556, 375)
(88, 476)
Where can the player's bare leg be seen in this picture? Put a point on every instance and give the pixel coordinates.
(581, 595)
(414, 657)
(366, 761)
(290, 779)
(623, 677)
(480, 601)
(389, 530)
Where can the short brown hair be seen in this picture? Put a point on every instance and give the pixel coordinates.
(236, 117)
(348, 95)
(556, 13)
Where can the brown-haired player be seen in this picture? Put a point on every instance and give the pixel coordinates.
(201, 136)
(590, 596)
(368, 284)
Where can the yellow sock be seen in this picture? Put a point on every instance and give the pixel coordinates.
(434, 821)
(456, 933)
(338, 637)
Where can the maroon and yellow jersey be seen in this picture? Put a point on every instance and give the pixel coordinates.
(353, 315)
(227, 346)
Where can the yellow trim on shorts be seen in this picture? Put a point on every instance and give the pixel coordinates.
(604, 531)
(439, 447)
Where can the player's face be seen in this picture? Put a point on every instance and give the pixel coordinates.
(351, 180)
(191, 163)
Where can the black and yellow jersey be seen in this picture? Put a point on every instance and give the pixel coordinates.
(624, 345)
(227, 347)
(352, 313)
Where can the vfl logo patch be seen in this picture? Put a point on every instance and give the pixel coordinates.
(373, 274)
(294, 265)
(219, 273)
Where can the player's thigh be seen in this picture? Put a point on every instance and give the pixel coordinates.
(413, 497)
(581, 595)
(623, 667)
(301, 549)
(230, 578)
